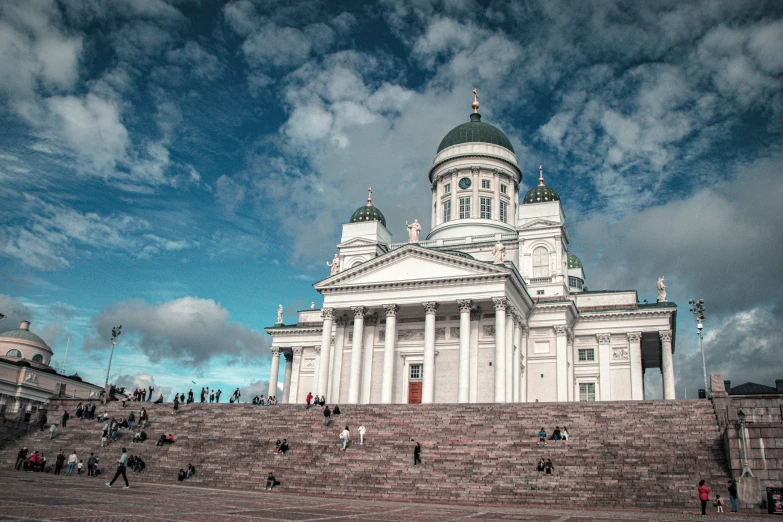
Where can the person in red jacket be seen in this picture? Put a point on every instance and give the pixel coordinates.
(704, 496)
(309, 398)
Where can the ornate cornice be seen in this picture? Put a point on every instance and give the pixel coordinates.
(328, 313)
(604, 338)
(293, 331)
(430, 307)
(391, 310)
(665, 335)
(634, 337)
(612, 314)
(359, 311)
(464, 305)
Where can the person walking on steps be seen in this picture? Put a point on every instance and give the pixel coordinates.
(362, 430)
(327, 415)
(704, 496)
(733, 495)
(344, 437)
(122, 463)
(59, 462)
(417, 454)
(72, 460)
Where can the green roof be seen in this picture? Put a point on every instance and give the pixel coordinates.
(573, 261)
(368, 213)
(24, 335)
(475, 131)
(540, 194)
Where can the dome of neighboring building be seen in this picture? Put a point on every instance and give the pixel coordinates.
(368, 212)
(24, 344)
(573, 261)
(540, 193)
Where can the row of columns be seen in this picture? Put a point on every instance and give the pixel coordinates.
(509, 376)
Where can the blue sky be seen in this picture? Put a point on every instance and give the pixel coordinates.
(182, 167)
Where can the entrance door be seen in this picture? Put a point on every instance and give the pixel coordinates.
(414, 384)
(414, 392)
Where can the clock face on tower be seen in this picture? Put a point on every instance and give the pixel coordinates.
(464, 183)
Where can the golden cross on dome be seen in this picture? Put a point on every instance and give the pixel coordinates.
(369, 196)
(541, 175)
(475, 103)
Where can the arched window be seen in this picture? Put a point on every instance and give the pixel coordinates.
(14, 353)
(540, 262)
(38, 358)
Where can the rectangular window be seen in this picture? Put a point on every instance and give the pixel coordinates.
(575, 282)
(464, 208)
(486, 208)
(447, 211)
(587, 391)
(586, 354)
(447, 188)
(504, 189)
(539, 292)
(485, 184)
(504, 212)
(415, 371)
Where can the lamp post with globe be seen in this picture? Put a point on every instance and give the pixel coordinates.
(115, 332)
(697, 309)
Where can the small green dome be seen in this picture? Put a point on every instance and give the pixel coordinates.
(475, 131)
(22, 335)
(368, 213)
(540, 194)
(573, 261)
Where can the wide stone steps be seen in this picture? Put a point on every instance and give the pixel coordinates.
(645, 454)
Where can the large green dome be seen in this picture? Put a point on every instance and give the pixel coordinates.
(368, 213)
(475, 131)
(540, 194)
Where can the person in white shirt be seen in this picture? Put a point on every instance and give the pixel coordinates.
(122, 463)
(344, 436)
(72, 460)
(564, 433)
(362, 430)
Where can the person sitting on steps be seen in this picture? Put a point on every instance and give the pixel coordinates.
(541, 465)
(271, 481)
(336, 410)
(191, 471)
(556, 434)
(564, 433)
(548, 467)
(181, 475)
(541, 437)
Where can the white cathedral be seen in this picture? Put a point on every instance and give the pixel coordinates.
(491, 307)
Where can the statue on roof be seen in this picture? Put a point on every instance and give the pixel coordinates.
(498, 252)
(414, 229)
(661, 290)
(312, 305)
(334, 267)
(279, 314)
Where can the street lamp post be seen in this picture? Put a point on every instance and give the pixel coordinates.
(697, 309)
(115, 332)
(745, 467)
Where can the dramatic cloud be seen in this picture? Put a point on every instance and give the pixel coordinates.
(190, 331)
(142, 381)
(14, 311)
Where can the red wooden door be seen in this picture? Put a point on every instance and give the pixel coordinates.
(414, 392)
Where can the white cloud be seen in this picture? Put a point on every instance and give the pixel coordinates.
(201, 64)
(275, 46)
(15, 312)
(188, 330)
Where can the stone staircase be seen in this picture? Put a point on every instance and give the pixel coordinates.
(627, 455)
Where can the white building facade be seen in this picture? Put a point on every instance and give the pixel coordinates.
(490, 307)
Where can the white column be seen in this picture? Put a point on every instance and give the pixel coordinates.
(389, 344)
(561, 349)
(500, 344)
(496, 195)
(637, 378)
(354, 385)
(523, 365)
(289, 358)
(428, 377)
(317, 366)
(510, 354)
(667, 364)
(326, 345)
(454, 201)
(604, 356)
(571, 360)
(475, 316)
(474, 203)
(292, 398)
(273, 371)
(515, 359)
(337, 365)
(434, 206)
(369, 346)
(464, 306)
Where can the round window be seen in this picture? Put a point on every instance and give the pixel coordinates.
(38, 358)
(13, 353)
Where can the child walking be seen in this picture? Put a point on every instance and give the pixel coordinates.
(719, 503)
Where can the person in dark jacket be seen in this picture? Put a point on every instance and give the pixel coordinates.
(733, 495)
(336, 410)
(548, 467)
(417, 454)
(270, 481)
(21, 457)
(64, 419)
(327, 416)
(58, 464)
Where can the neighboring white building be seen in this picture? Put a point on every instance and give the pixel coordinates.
(491, 307)
(27, 382)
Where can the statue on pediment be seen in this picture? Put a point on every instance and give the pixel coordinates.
(280, 314)
(661, 290)
(334, 267)
(414, 229)
(498, 252)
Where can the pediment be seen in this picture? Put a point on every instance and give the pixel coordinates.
(357, 242)
(411, 263)
(540, 223)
